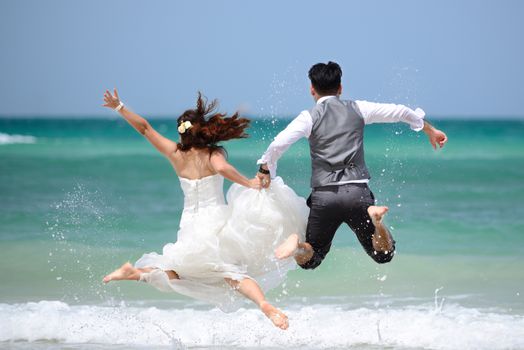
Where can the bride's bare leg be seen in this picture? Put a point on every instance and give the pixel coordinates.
(128, 272)
(252, 291)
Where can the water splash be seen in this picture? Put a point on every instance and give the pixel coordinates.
(274, 112)
(75, 223)
(439, 304)
(400, 87)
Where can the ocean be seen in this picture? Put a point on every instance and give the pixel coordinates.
(78, 197)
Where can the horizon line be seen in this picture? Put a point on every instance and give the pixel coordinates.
(461, 117)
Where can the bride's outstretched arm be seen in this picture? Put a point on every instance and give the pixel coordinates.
(161, 143)
(221, 166)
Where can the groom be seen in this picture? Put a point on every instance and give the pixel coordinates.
(339, 179)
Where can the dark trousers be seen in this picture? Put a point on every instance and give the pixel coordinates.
(330, 206)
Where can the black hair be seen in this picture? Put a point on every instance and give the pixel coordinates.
(325, 78)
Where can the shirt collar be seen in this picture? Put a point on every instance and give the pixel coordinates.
(323, 98)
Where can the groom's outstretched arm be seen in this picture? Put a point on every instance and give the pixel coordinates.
(392, 113)
(298, 128)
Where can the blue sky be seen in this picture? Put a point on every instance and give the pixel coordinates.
(452, 58)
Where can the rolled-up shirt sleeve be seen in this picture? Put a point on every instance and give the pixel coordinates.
(298, 128)
(373, 112)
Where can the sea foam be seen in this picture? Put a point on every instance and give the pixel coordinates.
(6, 139)
(316, 326)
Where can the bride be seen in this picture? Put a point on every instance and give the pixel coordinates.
(222, 250)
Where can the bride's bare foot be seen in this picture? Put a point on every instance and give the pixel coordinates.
(124, 272)
(288, 248)
(377, 213)
(276, 316)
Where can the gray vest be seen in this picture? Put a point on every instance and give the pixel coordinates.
(337, 143)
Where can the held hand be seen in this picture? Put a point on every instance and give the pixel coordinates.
(264, 179)
(255, 183)
(111, 101)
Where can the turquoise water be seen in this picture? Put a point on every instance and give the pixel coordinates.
(79, 197)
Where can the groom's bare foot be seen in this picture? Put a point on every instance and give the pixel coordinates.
(124, 272)
(377, 213)
(288, 248)
(276, 316)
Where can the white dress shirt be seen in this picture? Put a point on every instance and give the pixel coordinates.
(371, 112)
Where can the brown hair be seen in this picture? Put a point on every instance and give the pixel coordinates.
(209, 127)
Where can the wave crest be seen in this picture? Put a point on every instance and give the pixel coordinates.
(6, 139)
(318, 326)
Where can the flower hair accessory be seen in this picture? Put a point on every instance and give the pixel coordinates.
(184, 126)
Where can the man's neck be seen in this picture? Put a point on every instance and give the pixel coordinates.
(321, 99)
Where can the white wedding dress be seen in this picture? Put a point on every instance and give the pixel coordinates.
(234, 240)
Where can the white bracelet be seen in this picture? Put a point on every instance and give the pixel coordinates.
(120, 106)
